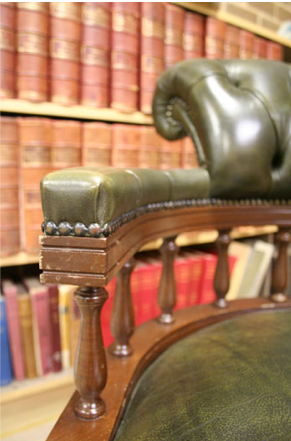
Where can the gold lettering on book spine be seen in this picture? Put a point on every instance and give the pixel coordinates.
(152, 64)
(123, 22)
(64, 50)
(94, 15)
(36, 156)
(192, 42)
(33, 6)
(32, 44)
(121, 60)
(174, 36)
(94, 56)
(67, 10)
(7, 39)
(152, 28)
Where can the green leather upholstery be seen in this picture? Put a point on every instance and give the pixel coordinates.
(230, 381)
(238, 113)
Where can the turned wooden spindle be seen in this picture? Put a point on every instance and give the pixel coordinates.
(90, 364)
(221, 278)
(280, 275)
(122, 319)
(167, 288)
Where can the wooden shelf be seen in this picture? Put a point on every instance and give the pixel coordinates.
(210, 9)
(21, 107)
(19, 259)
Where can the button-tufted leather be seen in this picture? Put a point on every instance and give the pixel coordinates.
(238, 113)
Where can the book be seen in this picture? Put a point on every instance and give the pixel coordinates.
(26, 327)
(195, 262)
(106, 313)
(95, 54)
(53, 296)
(152, 36)
(41, 324)
(65, 41)
(150, 276)
(66, 143)
(6, 374)
(193, 35)
(260, 48)
(96, 144)
(150, 147)
(9, 202)
(174, 25)
(246, 44)
(242, 252)
(125, 145)
(214, 38)
(256, 269)
(65, 295)
(274, 51)
(183, 276)
(9, 290)
(231, 42)
(7, 49)
(124, 56)
(170, 155)
(32, 50)
(189, 157)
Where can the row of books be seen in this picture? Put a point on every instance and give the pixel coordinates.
(104, 54)
(40, 323)
(31, 147)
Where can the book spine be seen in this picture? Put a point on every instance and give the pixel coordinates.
(53, 295)
(95, 54)
(9, 205)
(106, 313)
(214, 38)
(196, 264)
(7, 49)
(6, 374)
(64, 317)
(231, 43)
(152, 51)
(170, 154)
(32, 51)
(10, 293)
(66, 144)
(64, 50)
(207, 294)
(193, 35)
(124, 56)
(150, 146)
(260, 48)
(26, 326)
(189, 157)
(96, 154)
(125, 145)
(42, 331)
(274, 51)
(246, 44)
(35, 163)
(174, 25)
(183, 277)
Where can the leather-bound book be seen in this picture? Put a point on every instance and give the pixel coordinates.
(274, 51)
(7, 49)
(246, 44)
(124, 56)
(35, 163)
(95, 54)
(193, 35)
(96, 144)
(260, 48)
(66, 144)
(150, 147)
(53, 294)
(174, 26)
(214, 38)
(170, 154)
(231, 43)
(32, 50)
(125, 145)
(9, 202)
(189, 157)
(65, 39)
(152, 51)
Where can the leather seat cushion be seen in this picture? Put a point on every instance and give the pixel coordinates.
(230, 381)
(101, 195)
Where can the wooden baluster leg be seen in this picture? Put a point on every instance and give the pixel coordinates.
(221, 278)
(167, 288)
(280, 275)
(122, 319)
(90, 365)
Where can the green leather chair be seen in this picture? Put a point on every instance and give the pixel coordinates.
(214, 373)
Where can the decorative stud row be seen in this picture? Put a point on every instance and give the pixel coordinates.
(95, 230)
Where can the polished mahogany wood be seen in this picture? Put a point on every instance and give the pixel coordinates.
(167, 287)
(124, 373)
(122, 319)
(90, 365)
(280, 275)
(221, 278)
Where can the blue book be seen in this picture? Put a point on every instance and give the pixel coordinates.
(6, 374)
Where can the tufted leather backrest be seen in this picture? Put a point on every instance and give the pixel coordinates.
(238, 113)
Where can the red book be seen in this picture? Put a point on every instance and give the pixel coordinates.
(41, 324)
(96, 144)
(183, 275)
(32, 48)
(274, 51)
(66, 143)
(9, 201)
(125, 145)
(196, 264)
(170, 154)
(106, 313)
(53, 296)
(189, 157)
(7, 49)
(174, 26)
(246, 44)
(152, 51)
(95, 54)
(214, 38)
(65, 39)
(149, 287)
(150, 147)
(10, 292)
(260, 48)
(193, 36)
(124, 55)
(231, 43)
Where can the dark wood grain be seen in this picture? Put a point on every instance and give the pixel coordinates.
(280, 275)
(122, 319)
(221, 278)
